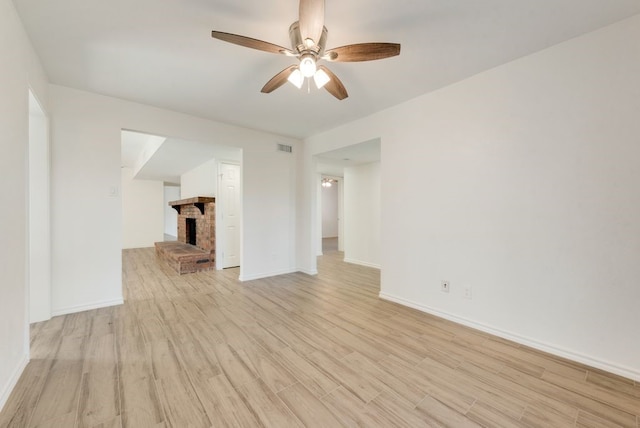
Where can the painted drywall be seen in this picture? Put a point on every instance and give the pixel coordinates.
(318, 200)
(307, 230)
(151, 146)
(142, 211)
(39, 214)
(522, 183)
(200, 181)
(20, 71)
(362, 214)
(269, 196)
(86, 137)
(330, 211)
(171, 193)
(341, 214)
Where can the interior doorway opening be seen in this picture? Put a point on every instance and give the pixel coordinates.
(331, 207)
(157, 170)
(356, 171)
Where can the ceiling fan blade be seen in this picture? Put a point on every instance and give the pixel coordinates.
(278, 80)
(251, 43)
(311, 20)
(362, 52)
(334, 86)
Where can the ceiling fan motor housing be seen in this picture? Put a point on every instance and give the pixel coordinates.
(299, 45)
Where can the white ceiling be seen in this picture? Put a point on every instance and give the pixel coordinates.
(334, 162)
(133, 143)
(173, 158)
(160, 52)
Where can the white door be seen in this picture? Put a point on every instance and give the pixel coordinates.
(230, 206)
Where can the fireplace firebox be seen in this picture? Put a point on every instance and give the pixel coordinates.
(191, 231)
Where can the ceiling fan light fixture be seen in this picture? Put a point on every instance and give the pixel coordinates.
(296, 78)
(308, 37)
(326, 182)
(321, 78)
(308, 65)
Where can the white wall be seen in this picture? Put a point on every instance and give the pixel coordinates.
(341, 214)
(330, 211)
(362, 214)
(86, 131)
(268, 196)
(20, 71)
(171, 193)
(200, 181)
(39, 214)
(142, 211)
(523, 183)
(318, 217)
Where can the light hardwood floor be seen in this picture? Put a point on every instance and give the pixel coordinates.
(204, 350)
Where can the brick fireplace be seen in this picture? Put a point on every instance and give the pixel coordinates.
(195, 249)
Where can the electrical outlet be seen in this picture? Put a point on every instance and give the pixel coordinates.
(467, 292)
(445, 286)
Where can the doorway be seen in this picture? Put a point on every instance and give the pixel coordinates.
(170, 169)
(331, 204)
(357, 170)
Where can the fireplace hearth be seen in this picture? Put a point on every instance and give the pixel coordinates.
(194, 250)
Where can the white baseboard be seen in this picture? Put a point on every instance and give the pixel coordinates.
(361, 263)
(13, 380)
(311, 272)
(86, 307)
(607, 366)
(252, 277)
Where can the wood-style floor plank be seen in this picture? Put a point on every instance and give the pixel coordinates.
(60, 393)
(205, 350)
(311, 377)
(223, 403)
(351, 410)
(267, 406)
(140, 403)
(307, 407)
(99, 394)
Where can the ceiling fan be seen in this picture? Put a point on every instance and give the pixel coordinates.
(308, 38)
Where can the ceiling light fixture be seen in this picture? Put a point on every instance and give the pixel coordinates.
(296, 78)
(327, 182)
(321, 78)
(308, 69)
(307, 65)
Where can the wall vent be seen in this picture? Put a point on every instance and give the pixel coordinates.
(285, 148)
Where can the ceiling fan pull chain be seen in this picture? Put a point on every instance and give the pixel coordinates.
(308, 86)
